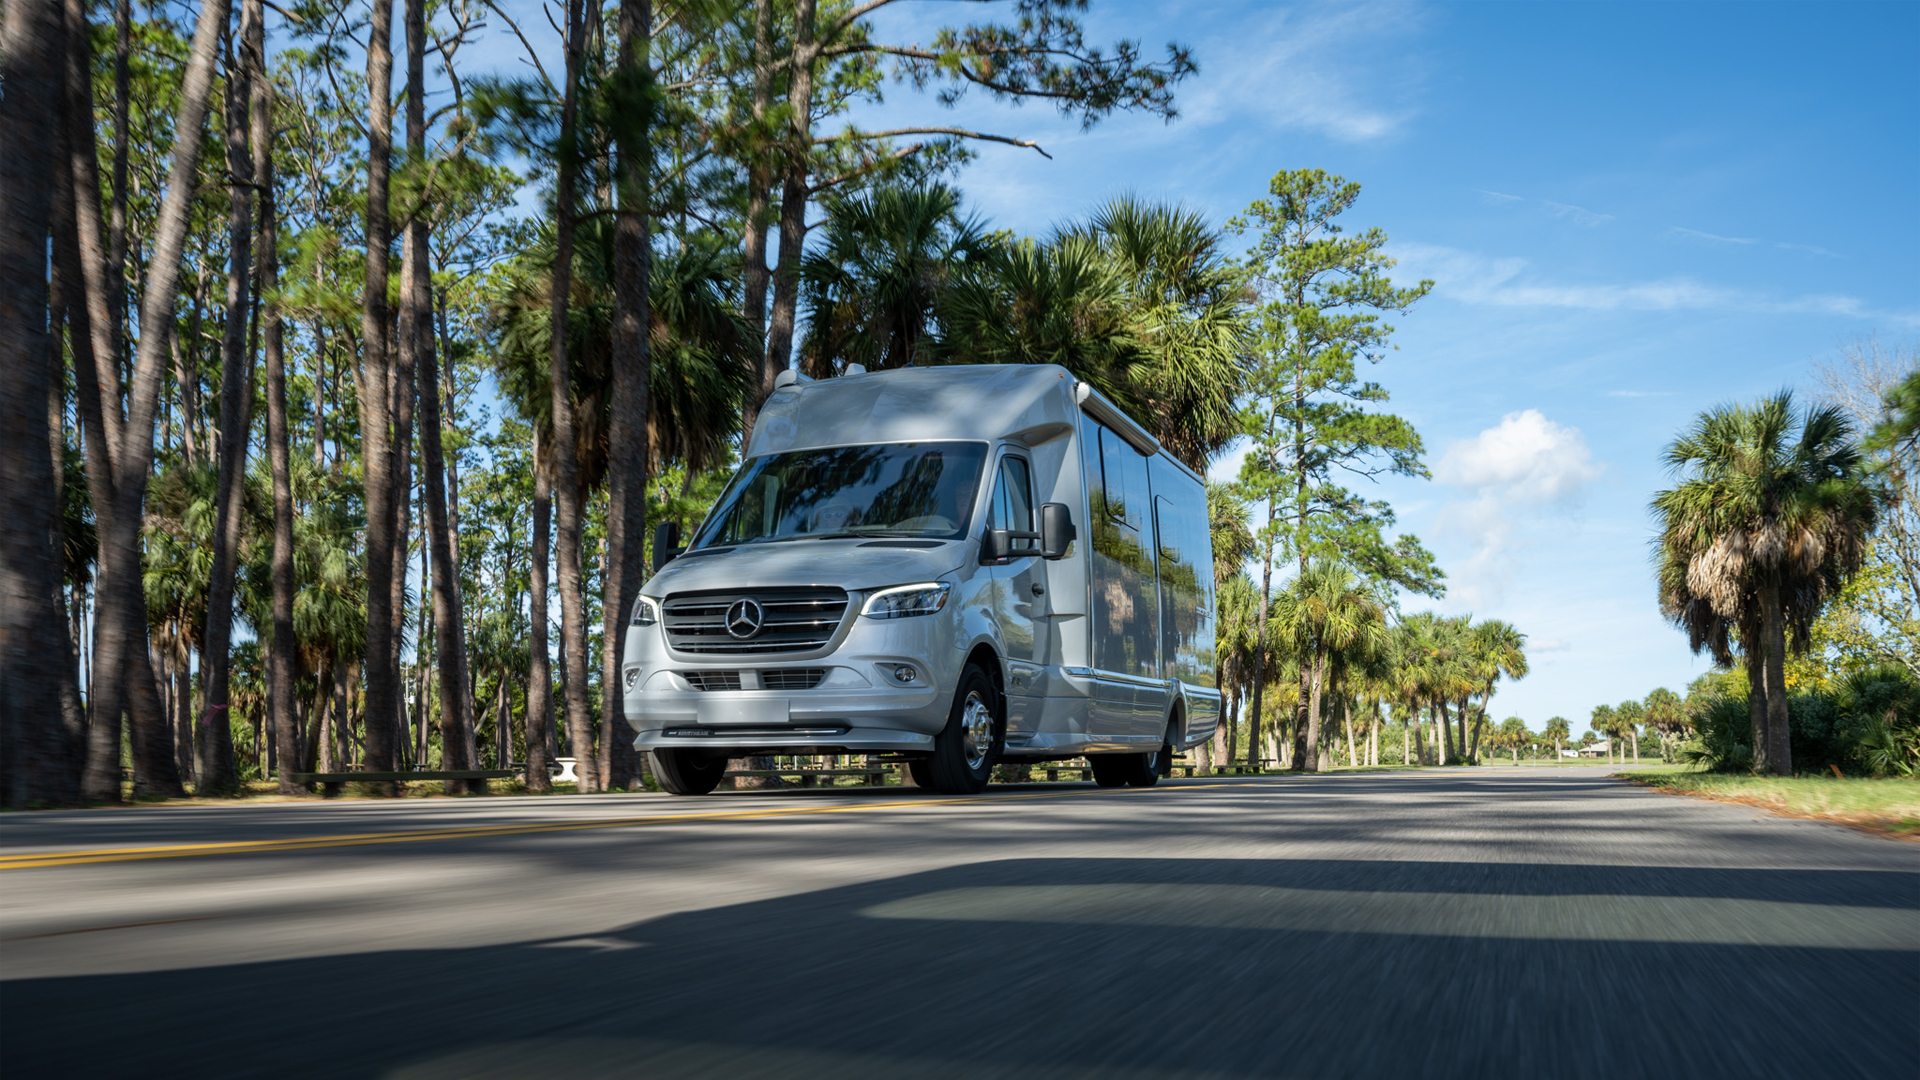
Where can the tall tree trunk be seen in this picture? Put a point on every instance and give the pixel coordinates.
(181, 663)
(35, 755)
(632, 369)
(794, 190)
(1306, 743)
(123, 668)
(1470, 731)
(1346, 726)
(459, 749)
(281, 665)
(1774, 640)
(754, 272)
(1259, 655)
(539, 722)
(213, 744)
(117, 258)
(380, 678)
(573, 615)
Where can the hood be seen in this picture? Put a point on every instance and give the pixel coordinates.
(852, 564)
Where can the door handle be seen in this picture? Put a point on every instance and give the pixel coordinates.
(1038, 589)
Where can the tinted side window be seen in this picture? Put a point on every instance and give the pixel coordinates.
(1185, 543)
(1013, 496)
(1125, 606)
(1124, 480)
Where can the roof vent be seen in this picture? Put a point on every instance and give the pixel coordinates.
(854, 369)
(789, 377)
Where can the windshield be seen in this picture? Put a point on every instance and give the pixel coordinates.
(890, 489)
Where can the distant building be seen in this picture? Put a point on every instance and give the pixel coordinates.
(1598, 749)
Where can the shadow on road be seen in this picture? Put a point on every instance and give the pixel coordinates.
(1081, 968)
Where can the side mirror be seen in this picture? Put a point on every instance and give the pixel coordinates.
(666, 543)
(1056, 530)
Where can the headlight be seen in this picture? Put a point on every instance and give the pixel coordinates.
(907, 601)
(645, 612)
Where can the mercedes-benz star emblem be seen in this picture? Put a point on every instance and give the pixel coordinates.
(743, 618)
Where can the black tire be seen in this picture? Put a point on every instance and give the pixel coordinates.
(1158, 763)
(1112, 770)
(965, 750)
(688, 772)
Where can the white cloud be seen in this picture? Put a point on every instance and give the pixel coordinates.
(1504, 281)
(1498, 198)
(1526, 459)
(1321, 68)
(1579, 215)
(1696, 234)
(1516, 470)
(1810, 249)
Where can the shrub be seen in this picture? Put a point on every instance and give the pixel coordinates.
(1868, 724)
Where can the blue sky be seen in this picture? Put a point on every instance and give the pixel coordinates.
(1631, 212)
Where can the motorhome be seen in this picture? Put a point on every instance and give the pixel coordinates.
(951, 567)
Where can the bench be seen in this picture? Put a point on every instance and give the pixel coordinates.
(876, 775)
(331, 782)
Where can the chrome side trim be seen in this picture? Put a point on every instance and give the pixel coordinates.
(1117, 677)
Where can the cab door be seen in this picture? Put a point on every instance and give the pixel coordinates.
(1019, 595)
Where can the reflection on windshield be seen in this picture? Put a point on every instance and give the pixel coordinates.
(892, 489)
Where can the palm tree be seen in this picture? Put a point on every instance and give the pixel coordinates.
(1141, 301)
(1498, 649)
(1233, 542)
(1607, 724)
(1514, 735)
(1236, 605)
(1190, 311)
(887, 259)
(1559, 732)
(1337, 621)
(1631, 714)
(1768, 520)
(1666, 714)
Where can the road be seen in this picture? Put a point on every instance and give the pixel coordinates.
(1447, 923)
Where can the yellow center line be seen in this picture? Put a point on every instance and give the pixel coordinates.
(29, 860)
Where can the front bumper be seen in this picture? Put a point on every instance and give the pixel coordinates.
(858, 705)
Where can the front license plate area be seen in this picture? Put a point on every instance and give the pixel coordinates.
(742, 710)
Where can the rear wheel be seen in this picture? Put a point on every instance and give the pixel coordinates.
(965, 750)
(1160, 762)
(688, 772)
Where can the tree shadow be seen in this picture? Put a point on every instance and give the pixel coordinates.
(1081, 967)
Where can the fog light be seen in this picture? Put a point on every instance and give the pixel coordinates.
(903, 673)
(633, 677)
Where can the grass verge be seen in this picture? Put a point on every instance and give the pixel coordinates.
(1887, 807)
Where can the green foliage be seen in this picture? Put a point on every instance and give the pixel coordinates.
(1312, 417)
(1869, 724)
(1140, 300)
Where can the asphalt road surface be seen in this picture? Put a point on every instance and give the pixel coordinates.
(1457, 923)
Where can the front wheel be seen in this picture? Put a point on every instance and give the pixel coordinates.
(688, 772)
(965, 750)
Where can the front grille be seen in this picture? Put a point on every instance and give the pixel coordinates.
(792, 678)
(712, 680)
(792, 620)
